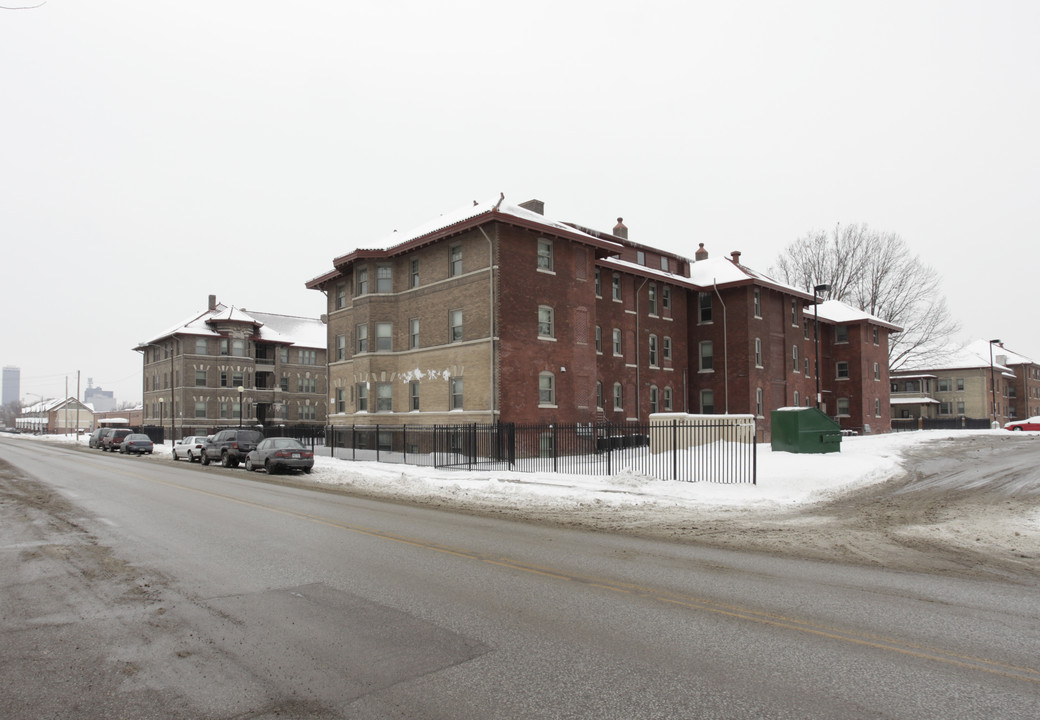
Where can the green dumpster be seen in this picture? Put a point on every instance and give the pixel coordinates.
(804, 430)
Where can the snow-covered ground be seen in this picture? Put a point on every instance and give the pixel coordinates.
(783, 478)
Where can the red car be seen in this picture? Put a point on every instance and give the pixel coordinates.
(1032, 423)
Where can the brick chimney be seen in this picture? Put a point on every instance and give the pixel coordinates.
(736, 257)
(536, 206)
(701, 254)
(620, 230)
(212, 302)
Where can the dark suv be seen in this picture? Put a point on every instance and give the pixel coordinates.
(230, 446)
(114, 439)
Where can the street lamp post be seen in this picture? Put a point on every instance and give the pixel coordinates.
(817, 289)
(240, 391)
(162, 413)
(992, 378)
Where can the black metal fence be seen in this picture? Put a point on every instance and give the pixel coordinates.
(956, 423)
(721, 450)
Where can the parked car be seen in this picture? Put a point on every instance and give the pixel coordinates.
(189, 447)
(1032, 423)
(136, 444)
(95, 437)
(278, 454)
(114, 439)
(230, 447)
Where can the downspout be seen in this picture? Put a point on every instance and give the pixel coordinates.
(725, 345)
(493, 319)
(639, 386)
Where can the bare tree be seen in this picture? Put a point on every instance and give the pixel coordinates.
(877, 273)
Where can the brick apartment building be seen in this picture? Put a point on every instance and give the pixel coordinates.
(496, 313)
(980, 380)
(193, 371)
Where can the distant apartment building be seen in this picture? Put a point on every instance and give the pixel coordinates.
(11, 385)
(980, 380)
(495, 313)
(227, 366)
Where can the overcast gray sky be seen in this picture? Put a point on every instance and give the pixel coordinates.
(156, 152)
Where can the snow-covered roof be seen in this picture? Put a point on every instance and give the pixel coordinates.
(723, 271)
(917, 400)
(836, 311)
(974, 355)
(285, 329)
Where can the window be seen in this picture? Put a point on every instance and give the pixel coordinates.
(238, 348)
(308, 412)
(223, 378)
(841, 334)
(362, 338)
(599, 340)
(794, 313)
(599, 284)
(654, 399)
(308, 357)
(545, 255)
(545, 322)
(653, 351)
(455, 261)
(237, 379)
(944, 383)
(362, 397)
(704, 307)
(384, 397)
(877, 407)
(707, 356)
(707, 402)
(796, 398)
(666, 297)
(842, 369)
(341, 400)
(546, 389)
(456, 326)
(455, 388)
(666, 349)
(413, 394)
(877, 372)
(283, 353)
(414, 273)
(223, 347)
(361, 281)
(615, 288)
(200, 409)
(341, 295)
(283, 383)
(794, 357)
(599, 395)
(384, 279)
(305, 385)
(225, 411)
(640, 257)
(960, 407)
(806, 367)
(667, 399)
(617, 342)
(759, 401)
(413, 333)
(876, 337)
(618, 397)
(200, 378)
(664, 263)
(201, 346)
(805, 325)
(843, 407)
(758, 352)
(652, 291)
(384, 337)
(960, 383)
(758, 302)
(341, 347)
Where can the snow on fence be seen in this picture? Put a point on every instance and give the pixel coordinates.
(709, 448)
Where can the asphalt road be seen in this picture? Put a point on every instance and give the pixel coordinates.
(133, 589)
